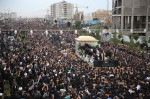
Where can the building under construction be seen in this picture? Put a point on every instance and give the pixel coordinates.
(62, 10)
(131, 16)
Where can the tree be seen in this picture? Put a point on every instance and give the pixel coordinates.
(120, 35)
(149, 41)
(115, 40)
(78, 24)
(130, 36)
(97, 34)
(114, 35)
(94, 19)
(144, 40)
(136, 36)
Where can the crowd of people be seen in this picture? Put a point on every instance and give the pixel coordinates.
(95, 53)
(109, 52)
(36, 66)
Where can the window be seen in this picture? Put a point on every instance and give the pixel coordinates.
(138, 19)
(119, 2)
(148, 27)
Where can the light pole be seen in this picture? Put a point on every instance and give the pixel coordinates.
(107, 11)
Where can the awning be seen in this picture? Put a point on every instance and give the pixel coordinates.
(86, 39)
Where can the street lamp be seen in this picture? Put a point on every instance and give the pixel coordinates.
(107, 10)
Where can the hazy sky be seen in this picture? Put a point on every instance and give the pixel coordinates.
(37, 8)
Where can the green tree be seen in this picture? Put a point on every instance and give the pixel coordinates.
(135, 36)
(115, 40)
(120, 35)
(144, 40)
(130, 36)
(78, 24)
(149, 41)
(98, 35)
(114, 35)
(95, 19)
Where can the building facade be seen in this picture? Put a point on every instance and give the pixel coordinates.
(11, 15)
(103, 15)
(62, 10)
(88, 17)
(131, 16)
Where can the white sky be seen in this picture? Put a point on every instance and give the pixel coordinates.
(37, 8)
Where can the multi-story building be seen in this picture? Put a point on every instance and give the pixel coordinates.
(103, 15)
(131, 16)
(62, 10)
(11, 15)
(88, 17)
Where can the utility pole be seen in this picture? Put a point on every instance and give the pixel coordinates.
(107, 11)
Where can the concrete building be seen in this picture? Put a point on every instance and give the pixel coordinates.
(62, 10)
(88, 17)
(4, 15)
(13, 15)
(131, 16)
(102, 15)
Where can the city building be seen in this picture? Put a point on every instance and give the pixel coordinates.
(62, 10)
(4, 15)
(131, 16)
(88, 17)
(11, 15)
(48, 17)
(103, 15)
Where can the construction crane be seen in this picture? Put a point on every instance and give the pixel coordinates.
(77, 13)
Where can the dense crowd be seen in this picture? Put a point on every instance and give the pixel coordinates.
(46, 66)
(110, 52)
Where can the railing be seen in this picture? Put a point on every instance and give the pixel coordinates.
(126, 29)
(138, 30)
